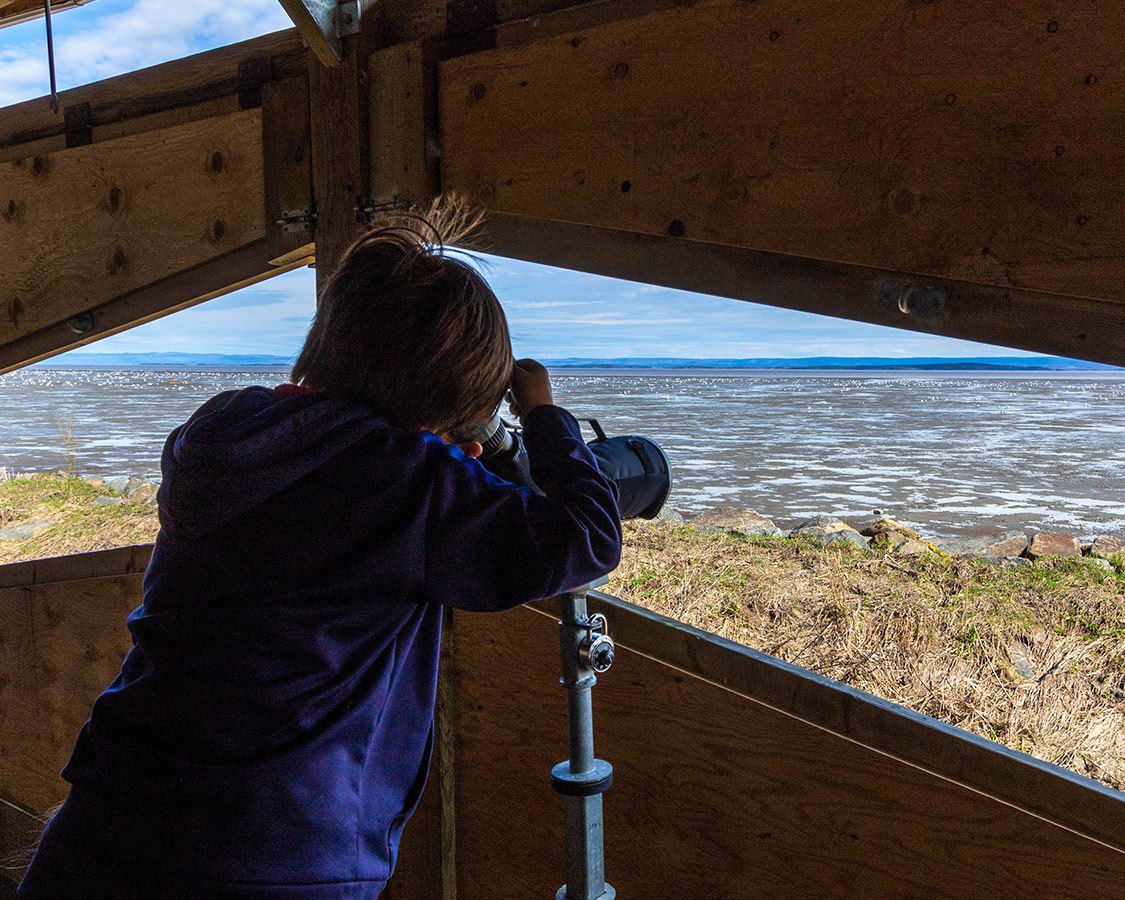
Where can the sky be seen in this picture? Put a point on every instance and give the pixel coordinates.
(554, 313)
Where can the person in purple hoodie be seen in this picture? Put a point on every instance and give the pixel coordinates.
(271, 728)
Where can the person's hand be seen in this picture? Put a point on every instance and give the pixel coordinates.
(531, 387)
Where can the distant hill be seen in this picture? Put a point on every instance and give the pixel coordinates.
(987, 363)
(248, 361)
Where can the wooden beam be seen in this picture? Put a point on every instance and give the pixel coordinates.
(235, 270)
(956, 140)
(83, 226)
(403, 123)
(236, 71)
(288, 170)
(340, 167)
(13, 12)
(1027, 320)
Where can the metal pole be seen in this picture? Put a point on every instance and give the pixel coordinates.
(586, 649)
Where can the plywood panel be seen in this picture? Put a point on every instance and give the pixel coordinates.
(61, 644)
(84, 225)
(717, 796)
(957, 139)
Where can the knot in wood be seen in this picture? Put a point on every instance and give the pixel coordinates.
(217, 231)
(117, 262)
(620, 70)
(113, 200)
(478, 91)
(216, 162)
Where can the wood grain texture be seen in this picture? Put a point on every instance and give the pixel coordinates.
(82, 226)
(214, 278)
(953, 139)
(1029, 320)
(403, 123)
(95, 564)
(339, 154)
(62, 644)
(13, 12)
(717, 796)
(287, 154)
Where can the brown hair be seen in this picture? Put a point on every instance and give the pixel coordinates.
(414, 333)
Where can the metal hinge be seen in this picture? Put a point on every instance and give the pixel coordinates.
(367, 210)
(294, 220)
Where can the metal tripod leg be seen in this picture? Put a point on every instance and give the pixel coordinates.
(586, 649)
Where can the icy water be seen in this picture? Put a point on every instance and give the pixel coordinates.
(951, 452)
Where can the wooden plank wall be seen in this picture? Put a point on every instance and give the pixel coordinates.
(62, 639)
(970, 142)
(718, 795)
(955, 139)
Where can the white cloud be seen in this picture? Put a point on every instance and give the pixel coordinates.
(91, 43)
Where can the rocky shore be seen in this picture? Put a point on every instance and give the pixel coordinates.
(876, 532)
(1010, 549)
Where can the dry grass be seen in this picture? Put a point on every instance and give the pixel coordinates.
(77, 525)
(935, 634)
(932, 633)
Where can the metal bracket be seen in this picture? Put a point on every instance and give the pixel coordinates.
(323, 24)
(347, 17)
(367, 210)
(294, 220)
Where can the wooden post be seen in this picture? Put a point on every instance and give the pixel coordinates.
(287, 170)
(338, 105)
(403, 120)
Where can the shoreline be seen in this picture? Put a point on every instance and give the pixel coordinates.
(987, 540)
(1029, 652)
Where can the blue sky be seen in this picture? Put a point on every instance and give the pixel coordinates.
(553, 312)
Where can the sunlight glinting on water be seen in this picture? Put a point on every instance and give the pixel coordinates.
(948, 452)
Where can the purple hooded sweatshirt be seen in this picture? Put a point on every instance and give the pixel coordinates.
(270, 731)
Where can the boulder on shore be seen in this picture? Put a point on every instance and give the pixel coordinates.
(828, 530)
(1053, 543)
(901, 545)
(118, 483)
(1108, 547)
(994, 547)
(23, 532)
(736, 520)
(886, 529)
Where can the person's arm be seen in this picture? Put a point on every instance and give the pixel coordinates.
(491, 545)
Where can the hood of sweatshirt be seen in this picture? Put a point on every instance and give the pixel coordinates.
(243, 447)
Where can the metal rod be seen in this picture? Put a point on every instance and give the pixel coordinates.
(582, 778)
(51, 56)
